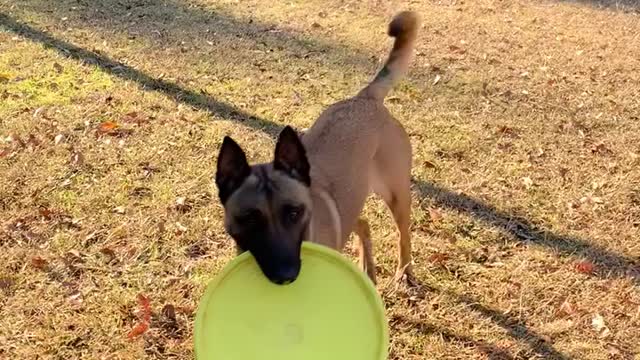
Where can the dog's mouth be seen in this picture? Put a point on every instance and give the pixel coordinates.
(283, 273)
(280, 268)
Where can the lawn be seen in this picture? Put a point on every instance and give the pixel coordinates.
(524, 118)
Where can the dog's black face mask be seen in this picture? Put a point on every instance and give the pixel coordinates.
(267, 206)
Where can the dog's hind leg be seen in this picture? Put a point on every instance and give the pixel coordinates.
(365, 249)
(391, 180)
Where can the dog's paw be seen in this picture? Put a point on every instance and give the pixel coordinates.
(405, 276)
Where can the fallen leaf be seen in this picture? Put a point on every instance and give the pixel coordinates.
(45, 213)
(168, 320)
(566, 309)
(6, 283)
(457, 49)
(180, 229)
(57, 67)
(528, 183)
(75, 298)
(429, 164)
(39, 263)
(77, 159)
(435, 215)
(33, 141)
(182, 205)
(109, 253)
(599, 326)
(585, 267)
(438, 258)
(169, 312)
(107, 127)
(135, 118)
(138, 330)
(145, 318)
(600, 148)
(508, 131)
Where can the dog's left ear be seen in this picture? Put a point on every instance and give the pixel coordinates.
(291, 157)
(232, 168)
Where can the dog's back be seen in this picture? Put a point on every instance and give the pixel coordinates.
(356, 145)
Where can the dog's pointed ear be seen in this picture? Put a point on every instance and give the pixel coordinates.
(232, 168)
(291, 157)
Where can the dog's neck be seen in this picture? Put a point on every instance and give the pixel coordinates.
(325, 227)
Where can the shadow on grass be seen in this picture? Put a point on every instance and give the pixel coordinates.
(521, 229)
(173, 21)
(147, 82)
(514, 328)
(618, 5)
(491, 351)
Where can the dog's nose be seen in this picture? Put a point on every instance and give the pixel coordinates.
(286, 276)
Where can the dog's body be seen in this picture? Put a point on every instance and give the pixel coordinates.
(354, 147)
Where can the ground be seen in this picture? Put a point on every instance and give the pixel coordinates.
(524, 118)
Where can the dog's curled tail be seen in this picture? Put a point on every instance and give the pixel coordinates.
(404, 28)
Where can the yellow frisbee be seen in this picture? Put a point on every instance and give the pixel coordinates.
(332, 311)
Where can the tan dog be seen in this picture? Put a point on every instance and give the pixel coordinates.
(316, 187)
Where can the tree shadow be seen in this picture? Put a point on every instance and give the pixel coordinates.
(523, 230)
(491, 351)
(172, 90)
(618, 5)
(173, 21)
(516, 329)
(538, 346)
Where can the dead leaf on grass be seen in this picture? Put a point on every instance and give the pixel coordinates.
(109, 254)
(600, 148)
(145, 317)
(135, 118)
(45, 213)
(566, 309)
(429, 164)
(169, 323)
(39, 263)
(180, 229)
(599, 326)
(6, 283)
(435, 215)
(182, 205)
(58, 68)
(77, 159)
(112, 129)
(33, 142)
(585, 267)
(75, 298)
(438, 258)
(457, 49)
(107, 126)
(508, 132)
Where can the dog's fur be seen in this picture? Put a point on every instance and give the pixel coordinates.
(317, 184)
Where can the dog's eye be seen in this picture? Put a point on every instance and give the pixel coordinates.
(250, 217)
(292, 214)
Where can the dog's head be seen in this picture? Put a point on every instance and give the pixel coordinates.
(267, 206)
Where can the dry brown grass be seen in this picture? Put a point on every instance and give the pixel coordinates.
(524, 117)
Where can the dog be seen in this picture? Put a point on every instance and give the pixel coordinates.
(317, 184)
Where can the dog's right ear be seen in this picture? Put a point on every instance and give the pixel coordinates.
(232, 168)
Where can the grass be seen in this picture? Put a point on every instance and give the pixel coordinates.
(523, 117)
